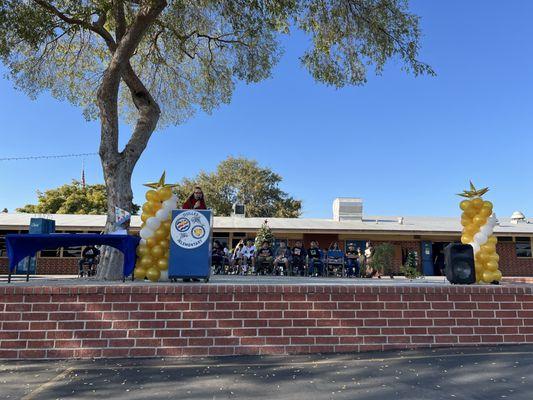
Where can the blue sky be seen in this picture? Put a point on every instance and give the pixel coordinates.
(405, 145)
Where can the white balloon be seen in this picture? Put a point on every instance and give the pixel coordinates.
(153, 223)
(480, 238)
(475, 246)
(143, 241)
(146, 232)
(162, 214)
(486, 229)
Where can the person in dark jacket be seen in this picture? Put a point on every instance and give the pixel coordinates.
(314, 260)
(298, 254)
(195, 201)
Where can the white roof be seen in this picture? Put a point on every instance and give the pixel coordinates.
(414, 225)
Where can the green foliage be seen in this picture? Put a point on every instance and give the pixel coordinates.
(192, 55)
(264, 233)
(410, 269)
(243, 180)
(383, 257)
(71, 199)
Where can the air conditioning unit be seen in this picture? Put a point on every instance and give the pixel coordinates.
(239, 210)
(347, 209)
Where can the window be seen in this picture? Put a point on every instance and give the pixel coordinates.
(505, 239)
(72, 252)
(51, 253)
(523, 247)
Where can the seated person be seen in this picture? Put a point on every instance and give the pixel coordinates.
(236, 257)
(282, 258)
(217, 257)
(298, 254)
(263, 259)
(352, 261)
(314, 259)
(247, 254)
(335, 258)
(89, 257)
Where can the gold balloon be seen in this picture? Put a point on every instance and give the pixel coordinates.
(151, 242)
(476, 203)
(484, 212)
(139, 273)
(488, 276)
(492, 240)
(147, 208)
(154, 205)
(165, 193)
(153, 274)
(465, 239)
(166, 225)
(491, 266)
(479, 268)
(494, 257)
(470, 230)
(147, 261)
(497, 275)
(162, 264)
(479, 220)
(465, 221)
(464, 204)
(469, 213)
(145, 216)
(157, 251)
(160, 233)
(164, 243)
(483, 256)
(488, 205)
(152, 195)
(142, 249)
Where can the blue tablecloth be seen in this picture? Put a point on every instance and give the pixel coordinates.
(24, 245)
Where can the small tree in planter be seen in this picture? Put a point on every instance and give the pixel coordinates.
(382, 259)
(410, 269)
(264, 233)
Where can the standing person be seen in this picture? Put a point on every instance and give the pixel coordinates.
(247, 254)
(264, 258)
(352, 261)
(217, 258)
(195, 201)
(369, 255)
(314, 259)
(298, 258)
(237, 256)
(361, 262)
(282, 256)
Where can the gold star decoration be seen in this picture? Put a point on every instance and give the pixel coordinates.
(161, 183)
(473, 192)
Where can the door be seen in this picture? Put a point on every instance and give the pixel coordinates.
(427, 259)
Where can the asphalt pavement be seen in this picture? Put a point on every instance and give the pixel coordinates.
(486, 373)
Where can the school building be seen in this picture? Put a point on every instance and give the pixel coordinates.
(425, 235)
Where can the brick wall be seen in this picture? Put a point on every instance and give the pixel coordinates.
(200, 320)
(510, 264)
(49, 265)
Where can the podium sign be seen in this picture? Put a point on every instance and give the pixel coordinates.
(190, 244)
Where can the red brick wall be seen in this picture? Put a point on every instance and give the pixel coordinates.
(201, 320)
(510, 264)
(49, 265)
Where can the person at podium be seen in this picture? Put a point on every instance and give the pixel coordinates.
(195, 201)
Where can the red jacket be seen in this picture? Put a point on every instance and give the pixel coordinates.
(190, 204)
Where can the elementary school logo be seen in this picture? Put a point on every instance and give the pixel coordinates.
(190, 229)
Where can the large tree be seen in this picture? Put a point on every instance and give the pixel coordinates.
(154, 62)
(239, 180)
(74, 198)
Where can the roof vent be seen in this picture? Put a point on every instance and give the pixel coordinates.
(518, 217)
(347, 209)
(400, 220)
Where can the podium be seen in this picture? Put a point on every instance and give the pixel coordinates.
(190, 244)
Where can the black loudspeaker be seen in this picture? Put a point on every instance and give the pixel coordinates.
(459, 263)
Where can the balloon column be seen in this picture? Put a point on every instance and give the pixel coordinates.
(478, 223)
(152, 252)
